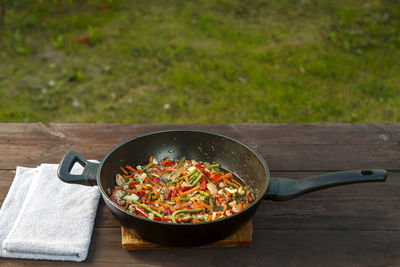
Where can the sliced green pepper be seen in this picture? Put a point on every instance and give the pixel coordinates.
(211, 204)
(197, 179)
(213, 165)
(181, 162)
(204, 193)
(147, 166)
(148, 209)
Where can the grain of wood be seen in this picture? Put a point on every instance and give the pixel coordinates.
(241, 238)
(353, 225)
(275, 247)
(284, 146)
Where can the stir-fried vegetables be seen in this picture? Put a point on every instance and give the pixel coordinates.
(180, 191)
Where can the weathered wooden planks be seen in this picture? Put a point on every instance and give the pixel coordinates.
(353, 225)
(284, 147)
(269, 248)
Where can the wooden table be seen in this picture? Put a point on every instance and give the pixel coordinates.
(353, 225)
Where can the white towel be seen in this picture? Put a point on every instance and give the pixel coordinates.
(45, 218)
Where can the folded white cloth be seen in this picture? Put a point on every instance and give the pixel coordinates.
(45, 218)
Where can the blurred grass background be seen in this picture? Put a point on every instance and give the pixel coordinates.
(182, 61)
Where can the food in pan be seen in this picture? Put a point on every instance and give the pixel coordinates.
(180, 191)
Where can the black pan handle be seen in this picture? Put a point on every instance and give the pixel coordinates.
(281, 189)
(88, 176)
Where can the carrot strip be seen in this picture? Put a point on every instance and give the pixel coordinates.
(227, 181)
(123, 170)
(186, 179)
(240, 206)
(197, 206)
(176, 170)
(204, 205)
(228, 175)
(165, 205)
(191, 190)
(144, 187)
(209, 218)
(156, 192)
(178, 185)
(224, 208)
(166, 160)
(218, 179)
(150, 159)
(154, 207)
(130, 168)
(178, 201)
(236, 184)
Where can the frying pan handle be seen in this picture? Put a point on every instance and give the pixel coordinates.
(88, 176)
(281, 189)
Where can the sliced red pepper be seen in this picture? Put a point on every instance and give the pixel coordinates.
(115, 200)
(216, 177)
(161, 220)
(115, 189)
(220, 198)
(167, 194)
(139, 192)
(186, 188)
(203, 170)
(203, 184)
(169, 164)
(174, 193)
(155, 180)
(141, 212)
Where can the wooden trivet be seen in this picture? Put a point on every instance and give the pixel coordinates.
(241, 238)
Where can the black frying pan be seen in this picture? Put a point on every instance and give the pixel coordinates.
(233, 155)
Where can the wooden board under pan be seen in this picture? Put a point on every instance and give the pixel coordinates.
(241, 238)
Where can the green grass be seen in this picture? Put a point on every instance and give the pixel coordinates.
(205, 61)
